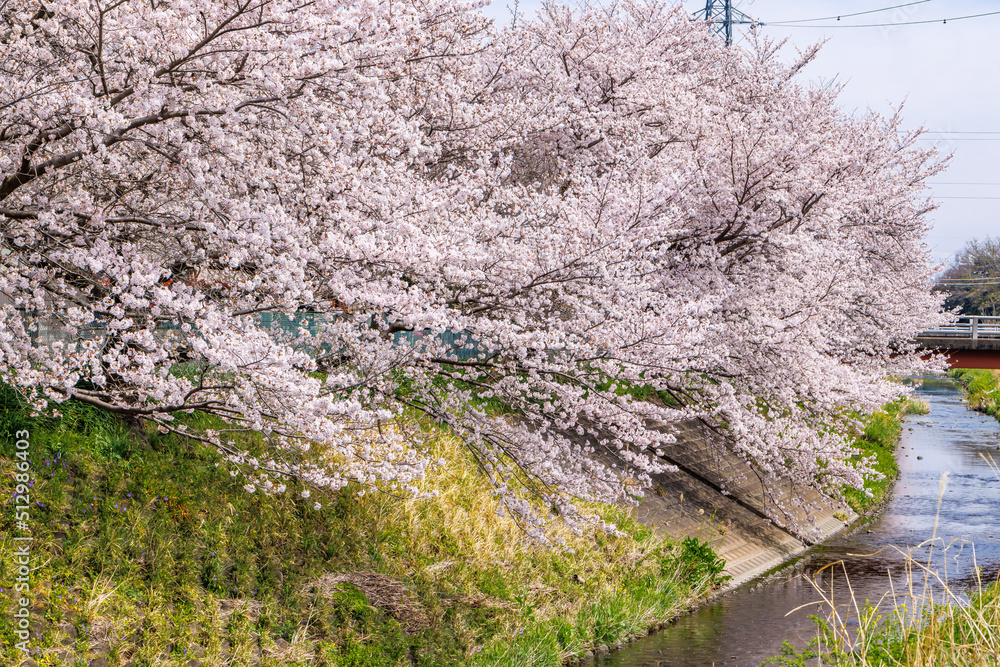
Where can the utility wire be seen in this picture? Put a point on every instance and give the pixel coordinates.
(987, 132)
(882, 25)
(840, 16)
(982, 279)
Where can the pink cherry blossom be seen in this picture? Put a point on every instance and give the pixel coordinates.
(241, 206)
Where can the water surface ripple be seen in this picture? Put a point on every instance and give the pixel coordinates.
(750, 624)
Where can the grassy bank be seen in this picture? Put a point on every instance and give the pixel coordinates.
(878, 440)
(146, 553)
(927, 622)
(956, 629)
(931, 623)
(982, 389)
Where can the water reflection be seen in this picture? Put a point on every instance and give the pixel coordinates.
(749, 625)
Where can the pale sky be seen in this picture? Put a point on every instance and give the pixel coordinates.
(946, 75)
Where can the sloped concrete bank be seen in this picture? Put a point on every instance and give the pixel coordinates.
(950, 446)
(717, 497)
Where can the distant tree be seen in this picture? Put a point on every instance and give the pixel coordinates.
(973, 280)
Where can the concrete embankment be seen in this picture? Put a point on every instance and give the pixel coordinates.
(718, 498)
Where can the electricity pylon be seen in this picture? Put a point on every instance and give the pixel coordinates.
(722, 15)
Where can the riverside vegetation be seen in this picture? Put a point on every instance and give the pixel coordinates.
(982, 389)
(938, 629)
(942, 625)
(146, 553)
(877, 441)
(287, 238)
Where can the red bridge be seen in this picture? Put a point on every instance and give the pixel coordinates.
(971, 342)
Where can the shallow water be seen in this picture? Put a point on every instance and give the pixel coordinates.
(750, 624)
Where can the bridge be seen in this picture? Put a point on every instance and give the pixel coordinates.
(969, 342)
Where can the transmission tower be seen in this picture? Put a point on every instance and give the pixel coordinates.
(722, 15)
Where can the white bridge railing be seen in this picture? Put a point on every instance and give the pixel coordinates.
(970, 327)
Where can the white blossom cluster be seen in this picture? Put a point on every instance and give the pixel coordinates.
(595, 199)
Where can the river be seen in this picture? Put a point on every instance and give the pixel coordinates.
(749, 625)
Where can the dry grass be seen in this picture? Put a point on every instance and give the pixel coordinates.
(923, 621)
(157, 561)
(464, 514)
(381, 591)
(229, 606)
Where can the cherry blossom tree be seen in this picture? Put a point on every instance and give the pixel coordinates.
(309, 219)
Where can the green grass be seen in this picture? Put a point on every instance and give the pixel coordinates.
(146, 552)
(929, 634)
(982, 389)
(877, 442)
(926, 622)
(931, 623)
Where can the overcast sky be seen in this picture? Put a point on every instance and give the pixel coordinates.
(946, 75)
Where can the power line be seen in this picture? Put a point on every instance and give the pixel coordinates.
(883, 25)
(945, 284)
(958, 138)
(924, 131)
(870, 11)
(970, 280)
(965, 197)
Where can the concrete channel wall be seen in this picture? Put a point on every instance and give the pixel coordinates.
(720, 499)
